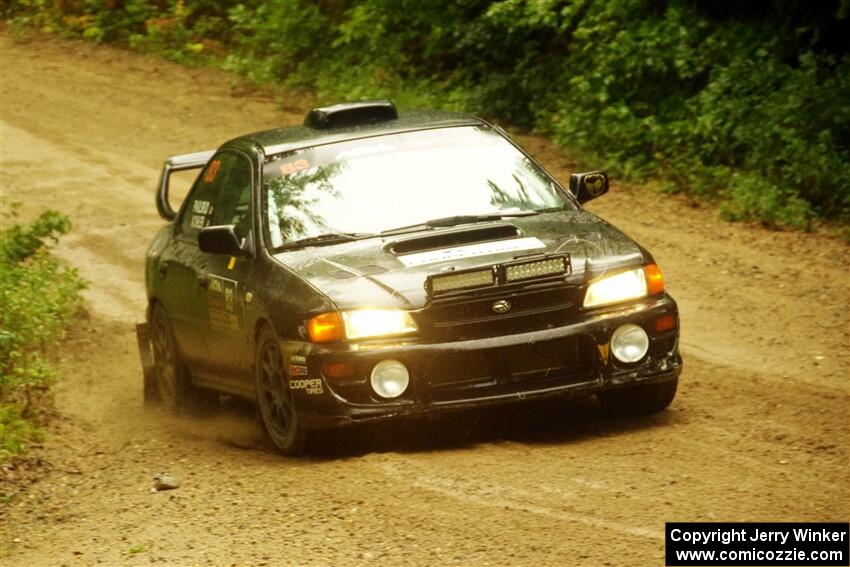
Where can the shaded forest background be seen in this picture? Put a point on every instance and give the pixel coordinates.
(742, 103)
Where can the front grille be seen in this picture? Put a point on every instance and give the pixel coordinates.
(513, 369)
(472, 315)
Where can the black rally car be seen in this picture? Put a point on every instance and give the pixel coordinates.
(371, 264)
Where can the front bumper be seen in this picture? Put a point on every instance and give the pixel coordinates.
(568, 360)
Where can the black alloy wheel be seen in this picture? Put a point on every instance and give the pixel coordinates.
(274, 398)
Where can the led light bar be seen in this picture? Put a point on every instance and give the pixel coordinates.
(451, 282)
(549, 267)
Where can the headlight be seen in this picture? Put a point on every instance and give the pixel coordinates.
(616, 288)
(359, 324)
(632, 284)
(362, 323)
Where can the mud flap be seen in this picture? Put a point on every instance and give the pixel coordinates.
(146, 356)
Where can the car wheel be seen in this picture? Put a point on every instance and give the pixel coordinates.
(274, 398)
(641, 398)
(171, 381)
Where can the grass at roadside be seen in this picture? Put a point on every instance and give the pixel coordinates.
(39, 297)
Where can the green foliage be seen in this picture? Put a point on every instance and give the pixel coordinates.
(22, 242)
(16, 430)
(39, 297)
(747, 104)
(751, 197)
(276, 41)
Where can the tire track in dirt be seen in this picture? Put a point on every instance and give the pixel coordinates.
(509, 497)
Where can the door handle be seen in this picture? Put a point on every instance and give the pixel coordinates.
(203, 281)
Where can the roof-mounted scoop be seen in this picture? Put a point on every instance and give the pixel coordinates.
(350, 114)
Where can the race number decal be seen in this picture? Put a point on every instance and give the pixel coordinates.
(293, 166)
(212, 170)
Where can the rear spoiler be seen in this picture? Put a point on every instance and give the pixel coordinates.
(181, 162)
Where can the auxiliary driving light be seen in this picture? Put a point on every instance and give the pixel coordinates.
(539, 268)
(390, 378)
(629, 343)
(463, 280)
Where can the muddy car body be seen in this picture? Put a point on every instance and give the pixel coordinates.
(369, 264)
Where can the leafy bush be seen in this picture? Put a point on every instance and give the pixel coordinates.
(276, 40)
(744, 103)
(39, 298)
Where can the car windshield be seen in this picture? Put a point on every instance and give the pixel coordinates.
(397, 181)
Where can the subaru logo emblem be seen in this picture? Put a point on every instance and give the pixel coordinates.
(501, 306)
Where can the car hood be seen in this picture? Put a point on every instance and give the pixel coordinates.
(365, 273)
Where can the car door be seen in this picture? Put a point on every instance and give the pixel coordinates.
(183, 267)
(228, 345)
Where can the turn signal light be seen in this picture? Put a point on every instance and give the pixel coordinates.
(654, 279)
(338, 370)
(326, 328)
(665, 323)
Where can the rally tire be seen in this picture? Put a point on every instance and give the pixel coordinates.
(640, 399)
(150, 389)
(275, 401)
(170, 383)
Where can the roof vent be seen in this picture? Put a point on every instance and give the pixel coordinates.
(350, 114)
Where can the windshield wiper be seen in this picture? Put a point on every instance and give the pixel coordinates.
(459, 219)
(323, 240)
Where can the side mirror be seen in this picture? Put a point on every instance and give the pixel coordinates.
(590, 185)
(221, 240)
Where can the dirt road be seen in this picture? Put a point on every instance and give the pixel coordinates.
(759, 430)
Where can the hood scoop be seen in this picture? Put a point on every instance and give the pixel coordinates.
(452, 237)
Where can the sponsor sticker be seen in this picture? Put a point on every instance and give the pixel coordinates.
(221, 304)
(297, 370)
(310, 385)
(470, 251)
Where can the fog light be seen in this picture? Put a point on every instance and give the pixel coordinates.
(629, 343)
(390, 378)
